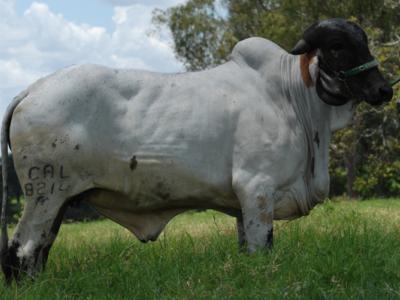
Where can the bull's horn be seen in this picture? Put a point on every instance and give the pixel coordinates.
(301, 47)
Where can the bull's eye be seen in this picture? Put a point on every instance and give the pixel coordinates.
(337, 47)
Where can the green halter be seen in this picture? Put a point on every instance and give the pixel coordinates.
(364, 67)
(357, 70)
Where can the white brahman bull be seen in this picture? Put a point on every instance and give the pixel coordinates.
(249, 138)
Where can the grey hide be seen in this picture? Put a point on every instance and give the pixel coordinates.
(247, 138)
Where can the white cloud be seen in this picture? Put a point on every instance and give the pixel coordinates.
(155, 3)
(15, 75)
(39, 42)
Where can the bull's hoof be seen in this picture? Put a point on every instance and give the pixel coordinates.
(5, 265)
(10, 263)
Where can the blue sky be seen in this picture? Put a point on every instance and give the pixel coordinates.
(93, 12)
(42, 36)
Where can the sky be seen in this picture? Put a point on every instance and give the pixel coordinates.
(39, 37)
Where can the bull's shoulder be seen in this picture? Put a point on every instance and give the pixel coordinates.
(256, 52)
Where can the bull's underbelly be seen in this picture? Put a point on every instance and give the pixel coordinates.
(147, 195)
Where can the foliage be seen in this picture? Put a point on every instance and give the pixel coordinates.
(364, 156)
(200, 34)
(345, 250)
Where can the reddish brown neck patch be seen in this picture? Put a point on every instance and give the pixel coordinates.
(305, 60)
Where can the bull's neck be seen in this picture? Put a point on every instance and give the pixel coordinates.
(317, 120)
(313, 117)
(300, 95)
(305, 100)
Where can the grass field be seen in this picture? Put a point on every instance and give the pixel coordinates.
(342, 250)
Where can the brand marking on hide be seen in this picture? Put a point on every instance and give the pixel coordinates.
(41, 188)
(45, 180)
(41, 200)
(62, 175)
(32, 173)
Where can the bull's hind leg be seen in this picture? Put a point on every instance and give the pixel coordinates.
(34, 235)
(47, 189)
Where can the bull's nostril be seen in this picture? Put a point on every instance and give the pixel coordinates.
(386, 92)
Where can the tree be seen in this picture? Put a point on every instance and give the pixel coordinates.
(201, 36)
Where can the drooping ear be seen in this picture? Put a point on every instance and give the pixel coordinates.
(301, 47)
(308, 42)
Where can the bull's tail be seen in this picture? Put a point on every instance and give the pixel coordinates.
(5, 128)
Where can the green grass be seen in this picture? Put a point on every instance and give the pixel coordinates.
(342, 250)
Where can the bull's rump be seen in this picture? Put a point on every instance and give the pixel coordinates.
(137, 133)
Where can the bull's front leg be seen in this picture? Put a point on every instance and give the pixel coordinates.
(258, 214)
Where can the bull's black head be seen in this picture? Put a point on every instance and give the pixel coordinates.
(340, 46)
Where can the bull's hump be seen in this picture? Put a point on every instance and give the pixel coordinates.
(256, 52)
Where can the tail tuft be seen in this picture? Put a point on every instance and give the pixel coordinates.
(5, 127)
